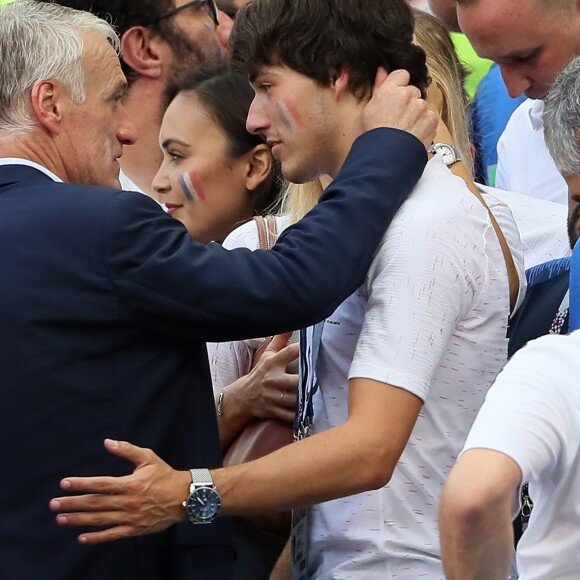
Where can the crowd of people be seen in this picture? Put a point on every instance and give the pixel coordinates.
(412, 163)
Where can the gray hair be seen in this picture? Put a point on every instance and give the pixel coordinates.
(40, 41)
(562, 120)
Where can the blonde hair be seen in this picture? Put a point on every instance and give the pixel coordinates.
(448, 74)
(300, 198)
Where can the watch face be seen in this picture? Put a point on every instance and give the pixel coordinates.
(448, 157)
(447, 153)
(203, 504)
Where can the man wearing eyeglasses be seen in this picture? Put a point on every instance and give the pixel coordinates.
(230, 7)
(161, 40)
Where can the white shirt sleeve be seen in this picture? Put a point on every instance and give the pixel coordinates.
(422, 283)
(502, 180)
(530, 412)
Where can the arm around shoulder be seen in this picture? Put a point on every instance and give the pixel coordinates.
(206, 292)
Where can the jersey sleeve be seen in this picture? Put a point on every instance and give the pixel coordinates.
(531, 410)
(420, 286)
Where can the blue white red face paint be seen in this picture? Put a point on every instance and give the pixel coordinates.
(191, 187)
(289, 116)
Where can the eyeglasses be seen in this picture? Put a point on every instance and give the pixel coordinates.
(208, 6)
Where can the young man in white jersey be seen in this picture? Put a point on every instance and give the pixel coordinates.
(404, 363)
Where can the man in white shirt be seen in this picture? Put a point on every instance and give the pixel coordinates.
(528, 430)
(524, 163)
(532, 41)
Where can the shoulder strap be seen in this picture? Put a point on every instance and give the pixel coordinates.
(267, 231)
(514, 284)
(513, 280)
(460, 170)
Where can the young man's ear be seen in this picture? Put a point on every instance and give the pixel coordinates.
(340, 82)
(47, 105)
(142, 51)
(259, 166)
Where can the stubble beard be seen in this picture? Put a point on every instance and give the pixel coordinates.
(188, 57)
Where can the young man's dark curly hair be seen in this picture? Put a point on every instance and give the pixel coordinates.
(321, 38)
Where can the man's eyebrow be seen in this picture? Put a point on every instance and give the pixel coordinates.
(172, 141)
(264, 71)
(519, 54)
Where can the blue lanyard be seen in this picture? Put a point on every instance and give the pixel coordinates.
(310, 339)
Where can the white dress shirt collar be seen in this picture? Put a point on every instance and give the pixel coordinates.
(28, 163)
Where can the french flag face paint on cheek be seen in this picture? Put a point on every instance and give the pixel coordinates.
(289, 116)
(294, 113)
(284, 115)
(189, 183)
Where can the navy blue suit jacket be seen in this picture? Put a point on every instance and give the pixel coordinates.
(105, 307)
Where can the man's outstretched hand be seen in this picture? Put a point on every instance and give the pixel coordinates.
(147, 501)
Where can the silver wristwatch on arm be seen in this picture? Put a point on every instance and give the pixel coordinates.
(203, 503)
(447, 151)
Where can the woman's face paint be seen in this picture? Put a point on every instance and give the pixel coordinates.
(200, 183)
(191, 187)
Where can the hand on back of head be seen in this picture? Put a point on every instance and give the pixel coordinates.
(398, 105)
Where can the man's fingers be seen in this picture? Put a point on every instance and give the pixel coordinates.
(381, 76)
(395, 103)
(104, 518)
(107, 500)
(109, 535)
(101, 484)
(126, 450)
(397, 77)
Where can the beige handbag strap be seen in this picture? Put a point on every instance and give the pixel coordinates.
(267, 231)
(460, 170)
(513, 280)
(267, 236)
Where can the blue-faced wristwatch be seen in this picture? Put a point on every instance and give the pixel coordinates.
(203, 503)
